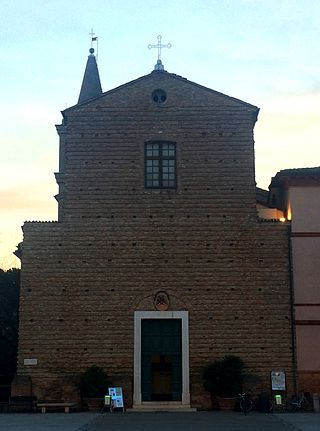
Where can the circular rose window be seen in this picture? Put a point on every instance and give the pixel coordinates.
(159, 96)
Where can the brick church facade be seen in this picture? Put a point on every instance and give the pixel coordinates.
(158, 255)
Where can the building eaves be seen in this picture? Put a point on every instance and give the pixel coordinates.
(295, 175)
(250, 107)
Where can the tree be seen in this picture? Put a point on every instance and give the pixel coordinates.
(9, 309)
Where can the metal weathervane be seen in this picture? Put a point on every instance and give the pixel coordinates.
(159, 46)
(94, 38)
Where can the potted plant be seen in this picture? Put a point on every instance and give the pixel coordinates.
(93, 385)
(223, 378)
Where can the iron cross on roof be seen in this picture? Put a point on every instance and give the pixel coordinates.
(159, 45)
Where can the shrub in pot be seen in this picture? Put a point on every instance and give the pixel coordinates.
(93, 385)
(223, 378)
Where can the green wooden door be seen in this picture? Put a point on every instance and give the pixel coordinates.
(161, 360)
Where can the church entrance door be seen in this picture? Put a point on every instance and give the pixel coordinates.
(161, 360)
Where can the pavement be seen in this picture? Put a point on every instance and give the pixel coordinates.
(197, 421)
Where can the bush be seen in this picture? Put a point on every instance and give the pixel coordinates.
(224, 377)
(94, 382)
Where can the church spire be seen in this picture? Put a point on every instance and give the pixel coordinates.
(91, 86)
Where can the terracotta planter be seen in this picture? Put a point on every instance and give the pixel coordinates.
(226, 404)
(93, 404)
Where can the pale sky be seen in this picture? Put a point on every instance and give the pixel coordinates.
(265, 52)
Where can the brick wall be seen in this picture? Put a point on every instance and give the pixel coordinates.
(117, 244)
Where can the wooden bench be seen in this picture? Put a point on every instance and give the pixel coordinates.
(22, 403)
(47, 405)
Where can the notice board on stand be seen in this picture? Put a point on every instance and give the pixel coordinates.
(117, 397)
(278, 380)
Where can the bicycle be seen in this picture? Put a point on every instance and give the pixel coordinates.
(246, 403)
(297, 403)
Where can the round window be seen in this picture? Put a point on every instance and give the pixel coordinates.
(159, 96)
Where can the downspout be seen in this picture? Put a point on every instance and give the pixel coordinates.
(292, 311)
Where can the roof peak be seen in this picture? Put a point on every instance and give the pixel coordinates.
(91, 85)
(169, 75)
(158, 67)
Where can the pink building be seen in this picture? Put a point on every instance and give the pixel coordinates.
(295, 195)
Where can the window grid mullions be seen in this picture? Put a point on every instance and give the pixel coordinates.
(169, 182)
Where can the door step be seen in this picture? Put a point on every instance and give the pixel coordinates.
(161, 406)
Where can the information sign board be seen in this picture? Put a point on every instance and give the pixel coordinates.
(117, 397)
(278, 380)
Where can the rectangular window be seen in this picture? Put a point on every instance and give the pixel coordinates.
(160, 165)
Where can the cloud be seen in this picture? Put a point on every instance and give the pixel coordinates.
(287, 135)
(28, 202)
(31, 197)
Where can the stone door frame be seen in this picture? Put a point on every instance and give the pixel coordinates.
(183, 316)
